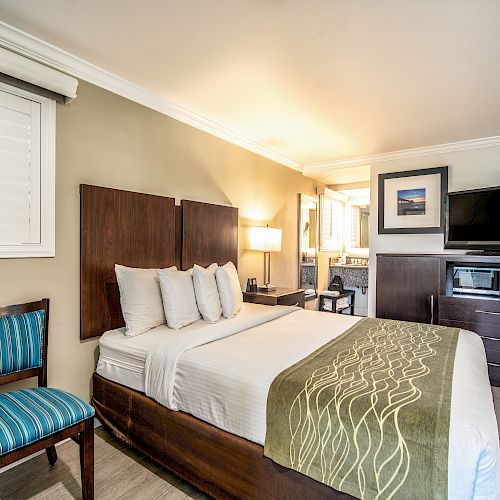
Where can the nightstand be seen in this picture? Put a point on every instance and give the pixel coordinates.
(278, 297)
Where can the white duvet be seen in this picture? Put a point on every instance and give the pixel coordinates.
(221, 373)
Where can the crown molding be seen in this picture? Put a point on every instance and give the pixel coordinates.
(29, 46)
(34, 48)
(358, 161)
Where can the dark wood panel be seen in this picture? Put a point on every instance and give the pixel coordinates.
(463, 258)
(492, 344)
(294, 299)
(494, 373)
(493, 356)
(253, 298)
(119, 227)
(209, 234)
(219, 463)
(280, 296)
(470, 310)
(479, 328)
(405, 285)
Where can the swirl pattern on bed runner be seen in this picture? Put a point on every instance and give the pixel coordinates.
(368, 413)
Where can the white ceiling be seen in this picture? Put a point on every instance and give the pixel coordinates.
(313, 80)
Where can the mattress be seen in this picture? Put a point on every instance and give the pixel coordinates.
(225, 382)
(122, 359)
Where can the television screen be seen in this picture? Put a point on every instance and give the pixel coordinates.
(473, 219)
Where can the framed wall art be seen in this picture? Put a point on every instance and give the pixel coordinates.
(412, 202)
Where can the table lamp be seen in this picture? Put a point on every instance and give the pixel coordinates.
(265, 239)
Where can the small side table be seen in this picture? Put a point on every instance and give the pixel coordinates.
(347, 293)
(278, 297)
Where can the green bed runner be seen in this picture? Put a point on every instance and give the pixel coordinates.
(369, 412)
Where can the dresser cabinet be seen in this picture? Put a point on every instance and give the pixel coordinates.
(420, 288)
(404, 280)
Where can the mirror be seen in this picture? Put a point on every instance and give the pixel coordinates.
(359, 221)
(308, 245)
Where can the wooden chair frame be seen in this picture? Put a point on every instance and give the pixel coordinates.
(82, 433)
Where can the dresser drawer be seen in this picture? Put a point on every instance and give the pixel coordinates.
(492, 348)
(485, 330)
(478, 315)
(469, 310)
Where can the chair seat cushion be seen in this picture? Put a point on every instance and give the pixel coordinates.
(29, 415)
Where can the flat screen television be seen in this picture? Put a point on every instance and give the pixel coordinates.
(472, 219)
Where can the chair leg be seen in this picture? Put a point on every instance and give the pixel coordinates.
(87, 459)
(51, 454)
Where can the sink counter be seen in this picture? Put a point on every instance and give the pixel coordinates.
(351, 274)
(355, 266)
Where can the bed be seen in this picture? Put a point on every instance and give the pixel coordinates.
(218, 378)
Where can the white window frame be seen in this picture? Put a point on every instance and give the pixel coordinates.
(331, 228)
(47, 245)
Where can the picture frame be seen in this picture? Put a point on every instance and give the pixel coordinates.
(412, 202)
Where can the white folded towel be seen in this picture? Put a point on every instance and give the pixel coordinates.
(327, 305)
(342, 303)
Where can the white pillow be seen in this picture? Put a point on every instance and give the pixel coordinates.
(231, 297)
(207, 293)
(140, 298)
(179, 301)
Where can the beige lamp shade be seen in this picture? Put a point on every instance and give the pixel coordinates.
(265, 239)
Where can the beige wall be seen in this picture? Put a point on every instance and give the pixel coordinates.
(106, 140)
(470, 169)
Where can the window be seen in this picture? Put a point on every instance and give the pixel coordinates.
(332, 217)
(27, 174)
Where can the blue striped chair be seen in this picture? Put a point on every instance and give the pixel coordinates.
(37, 418)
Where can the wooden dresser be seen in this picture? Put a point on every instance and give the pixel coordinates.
(420, 288)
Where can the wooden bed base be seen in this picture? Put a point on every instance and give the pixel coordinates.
(218, 463)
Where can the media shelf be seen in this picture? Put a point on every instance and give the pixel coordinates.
(473, 279)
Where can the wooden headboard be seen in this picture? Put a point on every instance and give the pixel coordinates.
(143, 230)
(209, 234)
(118, 227)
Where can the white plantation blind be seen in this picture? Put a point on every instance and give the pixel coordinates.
(332, 216)
(19, 170)
(353, 236)
(26, 174)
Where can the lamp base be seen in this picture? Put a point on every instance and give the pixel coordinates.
(266, 288)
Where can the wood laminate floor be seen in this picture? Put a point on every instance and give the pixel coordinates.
(120, 473)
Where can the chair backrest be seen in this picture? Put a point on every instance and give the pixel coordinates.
(23, 342)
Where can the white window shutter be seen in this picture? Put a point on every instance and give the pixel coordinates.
(332, 215)
(27, 170)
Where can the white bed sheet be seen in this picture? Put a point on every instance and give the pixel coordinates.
(226, 383)
(122, 359)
